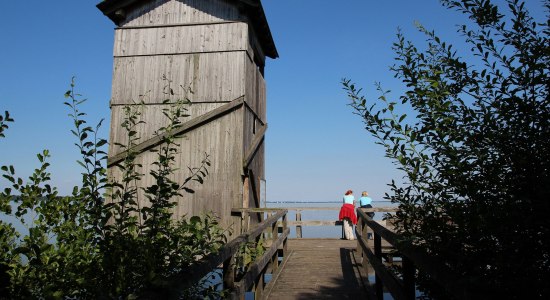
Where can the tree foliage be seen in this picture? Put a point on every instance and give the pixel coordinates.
(476, 154)
(101, 242)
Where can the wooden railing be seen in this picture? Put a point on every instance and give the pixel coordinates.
(299, 223)
(273, 231)
(413, 259)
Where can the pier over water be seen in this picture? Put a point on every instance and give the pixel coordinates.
(301, 267)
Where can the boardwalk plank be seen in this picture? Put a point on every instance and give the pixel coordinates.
(319, 269)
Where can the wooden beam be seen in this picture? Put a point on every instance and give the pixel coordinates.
(245, 215)
(185, 127)
(254, 147)
(255, 192)
(252, 235)
(379, 209)
(263, 122)
(314, 223)
(175, 25)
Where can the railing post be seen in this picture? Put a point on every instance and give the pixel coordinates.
(229, 273)
(275, 231)
(379, 287)
(408, 278)
(365, 235)
(259, 286)
(285, 226)
(275, 257)
(360, 225)
(343, 234)
(298, 227)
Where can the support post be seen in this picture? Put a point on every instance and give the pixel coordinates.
(364, 234)
(408, 278)
(259, 286)
(360, 226)
(245, 217)
(229, 273)
(298, 227)
(379, 287)
(285, 226)
(275, 258)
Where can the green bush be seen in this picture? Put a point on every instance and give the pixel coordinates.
(99, 242)
(476, 154)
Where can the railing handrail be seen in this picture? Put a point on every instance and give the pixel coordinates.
(268, 209)
(299, 223)
(173, 287)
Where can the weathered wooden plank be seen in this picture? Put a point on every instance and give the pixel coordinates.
(254, 146)
(237, 209)
(255, 90)
(210, 76)
(181, 11)
(222, 188)
(153, 118)
(253, 234)
(318, 269)
(314, 223)
(253, 157)
(380, 209)
(189, 125)
(222, 37)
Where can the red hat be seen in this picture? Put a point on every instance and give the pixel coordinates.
(349, 192)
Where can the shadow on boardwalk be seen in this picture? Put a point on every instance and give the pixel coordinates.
(320, 269)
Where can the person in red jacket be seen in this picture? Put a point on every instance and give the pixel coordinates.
(347, 215)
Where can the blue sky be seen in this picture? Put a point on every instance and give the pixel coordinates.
(316, 148)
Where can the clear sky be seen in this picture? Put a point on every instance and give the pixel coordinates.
(315, 147)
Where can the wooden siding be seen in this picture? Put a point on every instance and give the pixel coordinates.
(255, 90)
(319, 269)
(154, 119)
(255, 47)
(255, 168)
(181, 11)
(181, 39)
(258, 174)
(221, 139)
(211, 77)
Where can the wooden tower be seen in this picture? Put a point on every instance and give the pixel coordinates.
(217, 49)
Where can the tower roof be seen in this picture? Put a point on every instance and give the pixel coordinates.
(114, 9)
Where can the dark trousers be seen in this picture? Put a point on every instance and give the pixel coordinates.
(370, 214)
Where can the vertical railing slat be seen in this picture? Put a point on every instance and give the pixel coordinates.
(379, 287)
(298, 227)
(408, 278)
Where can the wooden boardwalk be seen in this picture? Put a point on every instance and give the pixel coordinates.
(320, 269)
